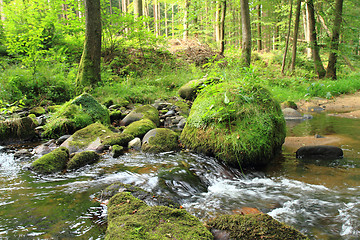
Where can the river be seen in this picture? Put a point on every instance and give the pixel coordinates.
(319, 198)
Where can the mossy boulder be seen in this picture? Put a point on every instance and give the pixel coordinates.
(131, 218)
(160, 140)
(88, 138)
(19, 129)
(190, 90)
(38, 111)
(54, 161)
(121, 139)
(238, 123)
(254, 226)
(142, 112)
(117, 151)
(76, 114)
(83, 158)
(140, 128)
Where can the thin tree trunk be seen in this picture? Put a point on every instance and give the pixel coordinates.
(138, 8)
(334, 45)
(296, 33)
(186, 20)
(166, 20)
(287, 39)
(217, 21)
(172, 20)
(246, 33)
(89, 68)
(307, 30)
(222, 27)
(319, 68)
(259, 40)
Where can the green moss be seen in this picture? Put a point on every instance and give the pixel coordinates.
(254, 226)
(74, 115)
(17, 129)
(37, 111)
(121, 139)
(130, 218)
(54, 108)
(238, 123)
(149, 112)
(140, 128)
(51, 162)
(117, 150)
(164, 140)
(182, 105)
(190, 90)
(83, 158)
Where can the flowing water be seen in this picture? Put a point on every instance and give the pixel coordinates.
(320, 198)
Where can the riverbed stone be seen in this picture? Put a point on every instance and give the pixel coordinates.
(292, 114)
(74, 115)
(253, 226)
(190, 90)
(140, 128)
(51, 162)
(38, 111)
(131, 218)
(88, 138)
(121, 139)
(160, 140)
(117, 151)
(240, 124)
(83, 158)
(320, 152)
(17, 130)
(135, 144)
(140, 113)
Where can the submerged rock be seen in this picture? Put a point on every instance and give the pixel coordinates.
(240, 124)
(117, 151)
(74, 115)
(131, 218)
(320, 152)
(160, 140)
(253, 226)
(51, 162)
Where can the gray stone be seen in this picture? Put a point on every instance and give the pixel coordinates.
(320, 152)
(135, 144)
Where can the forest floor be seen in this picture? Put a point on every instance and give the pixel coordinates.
(347, 106)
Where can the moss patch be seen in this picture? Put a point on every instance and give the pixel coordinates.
(83, 158)
(51, 162)
(162, 140)
(143, 112)
(117, 151)
(240, 124)
(19, 129)
(37, 111)
(131, 218)
(254, 226)
(121, 139)
(140, 128)
(190, 90)
(74, 115)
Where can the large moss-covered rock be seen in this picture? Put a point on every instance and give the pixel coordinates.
(131, 218)
(76, 114)
(142, 112)
(254, 226)
(190, 90)
(19, 129)
(238, 123)
(140, 128)
(83, 158)
(88, 138)
(52, 162)
(160, 140)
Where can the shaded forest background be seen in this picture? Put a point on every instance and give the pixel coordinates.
(150, 48)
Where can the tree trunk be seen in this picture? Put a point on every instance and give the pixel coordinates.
(307, 30)
(287, 39)
(172, 20)
(138, 8)
(217, 21)
(186, 20)
(222, 27)
(319, 68)
(166, 20)
(334, 45)
(89, 68)
(296, 33)
(259, 40)
(246, 33)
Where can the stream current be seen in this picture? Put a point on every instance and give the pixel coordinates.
(319, 198)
